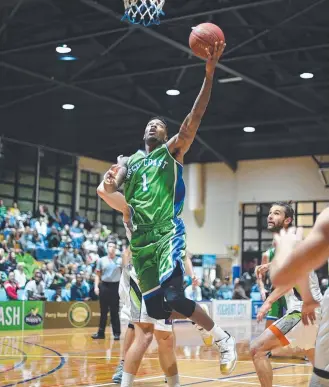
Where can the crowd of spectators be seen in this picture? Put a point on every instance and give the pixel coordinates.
(50, 256)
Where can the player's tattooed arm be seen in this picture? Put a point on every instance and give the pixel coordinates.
(181, 142)
(116, 175)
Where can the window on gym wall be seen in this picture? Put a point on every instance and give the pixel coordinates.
(89, 202)
(256, 238)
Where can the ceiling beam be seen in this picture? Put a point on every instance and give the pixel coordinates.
(232, 164)
(181, 47)
(60, 41)
(270, 29)
(10, 16)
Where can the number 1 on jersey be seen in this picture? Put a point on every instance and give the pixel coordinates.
(145, 187)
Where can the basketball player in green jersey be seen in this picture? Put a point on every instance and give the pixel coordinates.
(280, 216)
(155, 191)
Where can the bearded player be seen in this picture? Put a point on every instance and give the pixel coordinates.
(293, 261)
(288, 330)
(155, 191)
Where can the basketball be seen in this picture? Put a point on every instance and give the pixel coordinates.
(204, 36)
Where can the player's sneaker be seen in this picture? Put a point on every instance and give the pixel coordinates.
(206, 336)
(117, 377)
(227, 349)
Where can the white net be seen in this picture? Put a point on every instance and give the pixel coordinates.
(146, 12)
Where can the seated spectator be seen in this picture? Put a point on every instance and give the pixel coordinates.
(37, 241)
(26, 239)
(53, 238)
(14, 211)
(217, 284)
(91, 284)
(35, 288)
(226, 290)
(11, 287)
(79, 291)
(3, 261)
(41, 226)
(239, 292)
(65, 219)
(11, 262)
(57, 297)
(65, 257)
(193, 292)
(77, 258)
(207, 291)
(3, 211)
(20, 276)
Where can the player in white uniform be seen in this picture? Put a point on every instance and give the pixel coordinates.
(288, 330)
(293, 261)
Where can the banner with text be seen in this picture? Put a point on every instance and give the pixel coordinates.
(237, 311)
(18, 315)
(76, 314)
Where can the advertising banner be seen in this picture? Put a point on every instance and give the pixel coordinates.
(237, 311)
(18, 315)
(76, 314)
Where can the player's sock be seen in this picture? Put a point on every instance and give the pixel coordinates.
(127, 379)
(173, 381)
(218, 333)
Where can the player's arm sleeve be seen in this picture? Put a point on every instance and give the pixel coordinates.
(309, 255)
(181, 142)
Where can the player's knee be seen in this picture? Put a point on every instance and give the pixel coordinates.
(178, 302)
(255, 349)
(156, 309)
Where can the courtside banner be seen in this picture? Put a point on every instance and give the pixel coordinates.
(77, 314)
(21, 315)
(237, 311)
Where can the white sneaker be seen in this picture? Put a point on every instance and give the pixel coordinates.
(227, 349)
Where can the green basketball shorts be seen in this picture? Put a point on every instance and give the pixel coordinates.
(277, 310)
(156, 252)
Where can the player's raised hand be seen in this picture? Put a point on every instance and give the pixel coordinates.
(260, 270)
(214, 57)
(110, 175)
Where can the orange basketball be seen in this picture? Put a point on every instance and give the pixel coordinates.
(204, 36)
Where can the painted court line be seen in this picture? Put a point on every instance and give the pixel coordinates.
(136, 381)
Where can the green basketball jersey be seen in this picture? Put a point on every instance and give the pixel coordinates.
(270, 253)
(154, 186)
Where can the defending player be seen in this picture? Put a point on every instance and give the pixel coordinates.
(291, 264)
(288, 330)
(155, 191)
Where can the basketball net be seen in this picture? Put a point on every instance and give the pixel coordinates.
(145, 12)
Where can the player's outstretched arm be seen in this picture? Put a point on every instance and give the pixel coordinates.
(290, 264)
(181, 142)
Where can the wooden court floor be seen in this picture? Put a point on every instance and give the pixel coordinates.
(69, 357)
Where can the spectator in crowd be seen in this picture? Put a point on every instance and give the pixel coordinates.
(108, 275)
(193, 291)
(65, 257)
(35, 288)
(3, 210)
(239, 292)
(207, 291)
(11, 262)
(53, 238)
(77, 258)
(11, 286)
(217, 285)
(79, 291)
(226, 290)
(93, 296)
(57, 297)
(20, 276)
(14, 211)
(41, 226)
(3, 261)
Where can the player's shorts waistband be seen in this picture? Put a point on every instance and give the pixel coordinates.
(155, 226)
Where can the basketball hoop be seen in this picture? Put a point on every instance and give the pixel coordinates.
(145, 12)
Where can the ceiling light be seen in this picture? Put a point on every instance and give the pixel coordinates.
(67, 57)
(172, 92)
(307, 75)
(230, 80)
(249, 129)
(64, 49)
(68, 106)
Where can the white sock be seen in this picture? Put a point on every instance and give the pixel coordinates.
(127, 379)
(173, 381)
(218, 333)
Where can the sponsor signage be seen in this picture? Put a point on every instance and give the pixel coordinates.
(77, 314)
(233, 310)
(18, 315)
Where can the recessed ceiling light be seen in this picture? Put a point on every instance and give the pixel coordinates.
(172, 92)
(64, 49)
(249, 129)
(307, 75)
(67, 57)
(68, 106)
